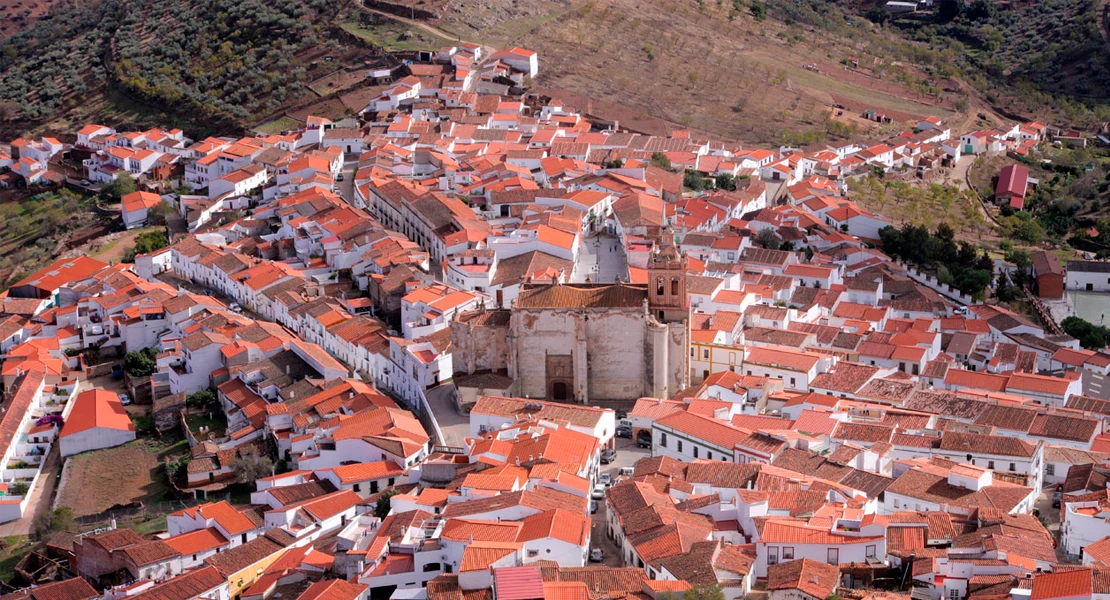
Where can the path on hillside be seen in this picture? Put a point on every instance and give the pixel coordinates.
(958, 177)
(421, 25)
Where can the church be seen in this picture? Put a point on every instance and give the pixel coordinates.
(582, 343)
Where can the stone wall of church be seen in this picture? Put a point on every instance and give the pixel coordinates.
(479, 347)
(598, 352)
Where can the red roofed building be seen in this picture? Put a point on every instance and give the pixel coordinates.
(95, 420)
(136, 206)
(46, 282)
(1013, 182)
(802, 579)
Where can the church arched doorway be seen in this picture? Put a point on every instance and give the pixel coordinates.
(559, 391)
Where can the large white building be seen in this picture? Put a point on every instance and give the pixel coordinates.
(97, 420)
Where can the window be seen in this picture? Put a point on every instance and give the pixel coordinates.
(1013, 467)
(792, 382)
(533, 553)
(833, 556)
(674, 286)
(695, 451)
(1050, 470)
(869, 552)
(709, 455)
(358, 487)
(659, 287)
(680, 445)
(732, 358)
(705, 353)
(772, 555)
(954, 594)
(788, 552)
(990, 464)
(663, 440)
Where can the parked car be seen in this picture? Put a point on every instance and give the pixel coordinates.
(627, 471)
(124, 399)
(644, 440)
(605, 479)
(593, 506)
(596, 555)
(608, 456)
(1056, 498)
(598, 492)
(86, 182)
(235, 307)
(339, 177)
(622, 414)
(624, 432)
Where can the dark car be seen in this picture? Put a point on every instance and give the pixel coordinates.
(593, 506)
(622, 414)
(608, 456)
(644, 441)
(624, 432)
(1056, 497)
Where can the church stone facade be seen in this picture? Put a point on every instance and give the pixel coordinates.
(582, 343)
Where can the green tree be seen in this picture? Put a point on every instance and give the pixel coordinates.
(59, 519)
(758, 10)
(140, 363)
(1090, 336)
(726, 181)
(658, 159)
(381, 509)
(157, 214)
(123, 185)
(705, 592)
(250, 466)
(767, 238)
(201, 399)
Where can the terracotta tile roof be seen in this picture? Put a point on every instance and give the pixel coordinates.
(70, 589)
(815, 578)
(334, 589)
(541, 499)
(148, 553)
(462, 530)
(584, 295)
(197, 541)
(186, 586)
(558, 524)
(244, 555)
(917, 483)
(565, 590)
(446, 587)
(863, 432)
(987, 444)
(720, 474)
(777, 531)
(522, 408)
(704, 428)
(97, 409)
(1068, 584)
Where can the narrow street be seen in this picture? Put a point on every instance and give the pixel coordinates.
(41, 498)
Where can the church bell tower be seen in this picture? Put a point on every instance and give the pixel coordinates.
(667, 298)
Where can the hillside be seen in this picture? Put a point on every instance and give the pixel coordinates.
(737, 69)
(768, 72)
(210, 65)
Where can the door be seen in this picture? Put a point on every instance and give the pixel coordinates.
(559, 391)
